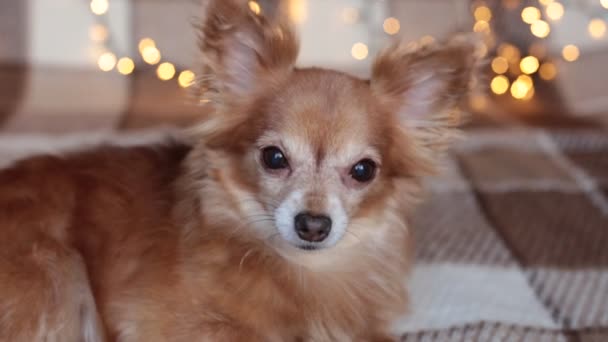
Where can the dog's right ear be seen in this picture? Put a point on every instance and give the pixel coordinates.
(243, 51)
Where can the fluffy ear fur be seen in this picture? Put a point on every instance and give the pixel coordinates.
(243, 52)
(424, 86)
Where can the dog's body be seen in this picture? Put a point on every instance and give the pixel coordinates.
(197, 241)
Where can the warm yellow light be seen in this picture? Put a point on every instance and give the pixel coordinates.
(510, 52)
(530, 14)
(538, 49)
(106, 61)
(151, 55)
(540, 29)
(186, 78)
(511, 4)
(391, 25)
(597, 28)
(500, 65)
(482, 13)
(125, 65)
(98, 33)
(604, 3)
(499, 84)
(359, 51)
(427, 40)
(570, 52)
(529, 65)
(144, 43)
(521, 87)
(99, 7)
(481, 26)
(165, 71)
(545, 2)
(350, 15)
(298, 12)
(255, 7)
(547, 71)
(555, 11)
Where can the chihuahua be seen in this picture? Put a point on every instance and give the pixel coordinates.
(282, 216)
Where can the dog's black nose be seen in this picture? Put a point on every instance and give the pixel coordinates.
(312, 228)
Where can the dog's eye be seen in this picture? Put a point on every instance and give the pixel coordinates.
(364, 171)
(274, 158)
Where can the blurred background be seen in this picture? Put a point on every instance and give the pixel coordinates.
(93, 64)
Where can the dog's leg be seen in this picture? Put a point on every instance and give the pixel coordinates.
(45, 295)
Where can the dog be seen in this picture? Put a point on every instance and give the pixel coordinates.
(282, 216)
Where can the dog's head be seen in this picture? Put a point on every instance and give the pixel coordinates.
(312, 159)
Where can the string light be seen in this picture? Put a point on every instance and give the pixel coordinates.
(391, 26)
(151, 55)
(499, 84)
(165, 71)
(510, 52)
(99, 7)
(545, 2)
(186, 78)
(521, 87)
(144, 43)
(106, 61)
(359, 51)
(547, 71)
(555, 11)
(500, 65)
(482, 13)
(125, 65)
(540, 29)
(481, 27)
(530, 14)
(570, 52)
(597, 28)
(604, 3)
(529, 65)
(255, 7)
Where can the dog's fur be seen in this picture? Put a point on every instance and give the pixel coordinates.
(192, 242)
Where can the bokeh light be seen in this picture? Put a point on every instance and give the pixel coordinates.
(530, 14)
(255, 7)
(99, 7)
(555, 11)
(500, 65)
(547, 71)
(521, 87)
(570, 52)
(165, 71)
(391, 26)
(529, 65)
(359, 51)
(482, 13)
(499, 84)
(481, 26)
(98, 33)
(597, 28)
(350, 15)
(151, 55)
(125, 65)
(540, 29)
(186, 78)
(144, 43)
(106, 61)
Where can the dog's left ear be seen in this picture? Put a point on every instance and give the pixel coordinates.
(424, 85)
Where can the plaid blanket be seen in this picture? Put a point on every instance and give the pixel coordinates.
(512, 244)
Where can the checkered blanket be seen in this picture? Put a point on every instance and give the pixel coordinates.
(512, 244)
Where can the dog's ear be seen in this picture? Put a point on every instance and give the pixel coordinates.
(424, 85)
(244, 49)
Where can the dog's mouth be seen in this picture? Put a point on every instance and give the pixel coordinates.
(308, 247)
